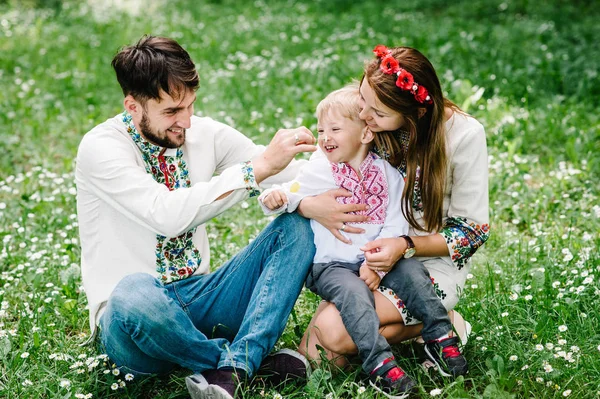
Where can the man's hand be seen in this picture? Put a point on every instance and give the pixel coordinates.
(274, 200)
(284, 146)
(370, 277)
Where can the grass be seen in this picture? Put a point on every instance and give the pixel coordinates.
(527, 70)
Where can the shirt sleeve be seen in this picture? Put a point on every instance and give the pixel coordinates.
(466, 227)
(232, 147)
(313, 178)
(108, 167)
(395, 224)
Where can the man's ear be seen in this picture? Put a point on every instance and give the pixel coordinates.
(422, 112)
(367, 135)
(132, 106)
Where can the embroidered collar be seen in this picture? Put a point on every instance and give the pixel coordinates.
(146, 147)
(176, 257)
(364, 167)
(371, 188)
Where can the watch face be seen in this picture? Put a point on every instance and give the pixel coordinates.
(409, 253)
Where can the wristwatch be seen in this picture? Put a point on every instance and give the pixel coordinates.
(410, 249)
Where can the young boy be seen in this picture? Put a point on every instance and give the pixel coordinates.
(339, 274)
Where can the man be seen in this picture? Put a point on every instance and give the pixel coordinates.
(147, 181)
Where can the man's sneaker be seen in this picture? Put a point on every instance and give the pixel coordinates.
(447, 357)
(214, 384)
(283, 365)
(391, 380)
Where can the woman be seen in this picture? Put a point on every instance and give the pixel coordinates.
(442, 153)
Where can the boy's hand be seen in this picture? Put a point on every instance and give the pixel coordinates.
(370, 277)
(274, 200)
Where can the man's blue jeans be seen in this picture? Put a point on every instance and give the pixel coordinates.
(230, 318)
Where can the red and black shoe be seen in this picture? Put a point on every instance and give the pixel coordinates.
(391, 380)
(446, 355)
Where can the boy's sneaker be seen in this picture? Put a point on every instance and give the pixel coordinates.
(391, 380)
(447, 357)
(214, 384)
(283, 365)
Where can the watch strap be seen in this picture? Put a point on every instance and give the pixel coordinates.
(410, 247)
(409, 241)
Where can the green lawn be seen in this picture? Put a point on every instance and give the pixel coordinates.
(527, 71)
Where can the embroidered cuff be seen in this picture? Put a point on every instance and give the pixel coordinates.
(463, 239)
(249, 179)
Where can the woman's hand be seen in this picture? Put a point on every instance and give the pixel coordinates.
(331, 214)
(382, 254)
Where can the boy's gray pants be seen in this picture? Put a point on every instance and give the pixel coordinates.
(338, 282)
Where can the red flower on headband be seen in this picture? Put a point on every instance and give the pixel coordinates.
(380, 50)
(405, 80)
(421, 94)
(389, 65)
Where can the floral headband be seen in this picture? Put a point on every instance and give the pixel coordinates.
(405, 81)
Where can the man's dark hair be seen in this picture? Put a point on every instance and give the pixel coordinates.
(154, 64)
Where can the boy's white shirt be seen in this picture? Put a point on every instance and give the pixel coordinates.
(315, 178)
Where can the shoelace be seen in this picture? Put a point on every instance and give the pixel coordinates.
(451, 351)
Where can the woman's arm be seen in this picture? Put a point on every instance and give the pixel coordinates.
(382, 254)
(466, 227)
(387, 249)
(331, 214)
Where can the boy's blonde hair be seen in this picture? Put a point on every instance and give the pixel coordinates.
(344, 100)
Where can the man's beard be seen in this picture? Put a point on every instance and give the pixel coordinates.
(156, 138)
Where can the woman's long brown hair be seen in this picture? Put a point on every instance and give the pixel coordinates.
(426, 134)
